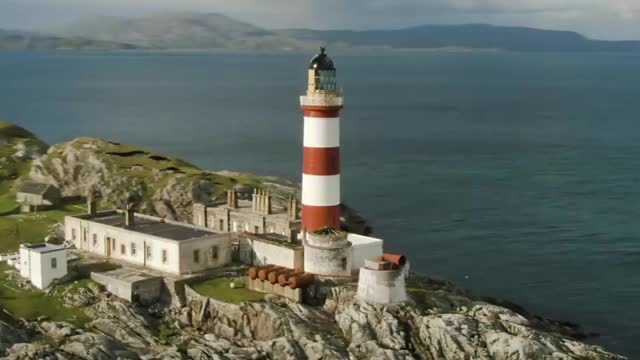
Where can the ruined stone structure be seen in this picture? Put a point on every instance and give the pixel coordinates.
(258, 216)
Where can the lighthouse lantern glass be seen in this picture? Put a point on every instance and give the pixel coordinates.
(326, 80)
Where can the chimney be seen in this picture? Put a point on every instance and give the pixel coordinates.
(91, 204)
(259, 201)
(130, 216)
(254, 199)
(268, 208)
(232, 199)
(293, 208)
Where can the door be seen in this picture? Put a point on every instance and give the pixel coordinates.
(107, 244)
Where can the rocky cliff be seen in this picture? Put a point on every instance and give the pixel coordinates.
(440, 322)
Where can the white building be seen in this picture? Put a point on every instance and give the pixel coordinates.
(276, 249)
(148, 241)
(42, 263)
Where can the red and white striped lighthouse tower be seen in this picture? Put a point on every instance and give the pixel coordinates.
(321, 161)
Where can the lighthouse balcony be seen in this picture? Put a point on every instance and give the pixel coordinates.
(329, 99)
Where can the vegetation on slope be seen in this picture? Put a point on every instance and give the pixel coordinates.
(18, 147)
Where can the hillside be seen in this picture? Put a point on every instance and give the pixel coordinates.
(180, 31)
(18, 147)
(18, 40)
(215, 31)
(464, 36)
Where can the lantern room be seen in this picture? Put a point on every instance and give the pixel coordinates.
(322, 74)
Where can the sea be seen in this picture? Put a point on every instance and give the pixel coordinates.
(515, 175)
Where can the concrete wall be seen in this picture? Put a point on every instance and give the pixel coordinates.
(256, 252)
(144, 291)
(360, 253)
(381, 286)
(327, 261)
(207, 248)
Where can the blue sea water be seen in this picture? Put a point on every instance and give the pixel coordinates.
(515, 175)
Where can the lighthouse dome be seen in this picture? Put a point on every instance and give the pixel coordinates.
(321, 61)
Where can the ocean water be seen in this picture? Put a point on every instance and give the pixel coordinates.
(515, 175)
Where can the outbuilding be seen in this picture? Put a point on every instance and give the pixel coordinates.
(34, 196)
(42, 263)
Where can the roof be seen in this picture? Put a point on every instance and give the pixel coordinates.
(361, 240)
(321, 61)
(150, 226)
(127, 275)
(42, 247)
(34, 188)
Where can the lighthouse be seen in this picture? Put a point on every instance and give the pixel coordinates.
(327, 251)
(321, 158)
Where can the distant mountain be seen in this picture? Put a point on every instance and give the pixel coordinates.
(214, 31)
(180, 31)
(21, 40)
(464, 36)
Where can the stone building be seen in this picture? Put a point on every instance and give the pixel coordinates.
(155, 243)
(37, 196)
(258, 216)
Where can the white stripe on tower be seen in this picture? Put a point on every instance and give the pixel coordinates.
(321, 132)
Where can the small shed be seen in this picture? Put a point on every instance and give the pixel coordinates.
(42, 263)
(34, 196)
(130, 285)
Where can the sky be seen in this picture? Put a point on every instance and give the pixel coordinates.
(602, 19)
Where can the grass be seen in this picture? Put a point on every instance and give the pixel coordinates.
(31, 228)
(32, 304)
(220, 289)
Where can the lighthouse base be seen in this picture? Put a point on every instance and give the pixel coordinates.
(327, 257)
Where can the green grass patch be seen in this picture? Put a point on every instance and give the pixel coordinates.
(17, 229)
(32, 304)
(221, 290)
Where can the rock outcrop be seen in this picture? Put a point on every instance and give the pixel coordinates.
(439, 323)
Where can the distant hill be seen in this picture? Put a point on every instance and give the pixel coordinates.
(20, 40)
(215, 31)
(464, 36)
(180, 31)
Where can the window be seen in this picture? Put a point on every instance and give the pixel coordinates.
(85, 235)
(256, 229)
(149, 252)
(164, 256)
(123, 249)
(133, 249)
(214, 253)
(196, 256)
(113, 244)
(54, 263)
(221, 225)
(73, 234)
(95, 240)
(344, 263)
